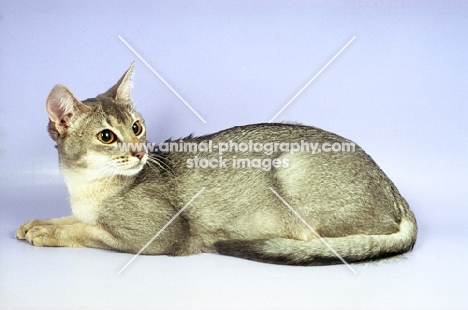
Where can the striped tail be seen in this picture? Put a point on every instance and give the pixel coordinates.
(354, 248)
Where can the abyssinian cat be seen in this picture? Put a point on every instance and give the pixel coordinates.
(266, 201)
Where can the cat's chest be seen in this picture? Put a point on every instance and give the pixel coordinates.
(85, 207)
(86, 198)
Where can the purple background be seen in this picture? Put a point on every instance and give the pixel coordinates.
(399, 91)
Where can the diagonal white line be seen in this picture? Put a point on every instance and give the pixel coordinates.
(313, 230)
(311, 80)
(162, 79)
(161, 230)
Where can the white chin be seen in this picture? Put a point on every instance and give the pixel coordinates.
(131, 171)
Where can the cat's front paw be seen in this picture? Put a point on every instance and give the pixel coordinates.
(26, 227)
(42, 236)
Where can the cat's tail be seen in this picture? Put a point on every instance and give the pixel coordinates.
(325, 251)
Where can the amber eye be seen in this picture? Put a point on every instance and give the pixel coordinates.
(106, 136)
(137, 128)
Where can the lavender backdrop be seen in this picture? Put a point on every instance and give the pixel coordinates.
(399, 90)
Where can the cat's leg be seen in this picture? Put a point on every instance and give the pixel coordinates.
(66, 232)
(68, 220)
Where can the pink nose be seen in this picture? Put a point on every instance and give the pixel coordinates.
(140, 154)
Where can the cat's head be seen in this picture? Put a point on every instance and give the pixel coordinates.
(90, 133)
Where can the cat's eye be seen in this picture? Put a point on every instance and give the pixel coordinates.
(106, 136)
(137, 128)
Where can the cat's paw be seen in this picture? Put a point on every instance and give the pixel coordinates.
(24, 229)
(42, 236)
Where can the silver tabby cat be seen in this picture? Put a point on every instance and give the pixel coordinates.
(294, 211)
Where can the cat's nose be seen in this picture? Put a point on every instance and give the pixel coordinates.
(140, 154)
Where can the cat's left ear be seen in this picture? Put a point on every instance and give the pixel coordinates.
(121, 91)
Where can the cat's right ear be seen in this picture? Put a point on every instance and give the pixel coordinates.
(61, 106)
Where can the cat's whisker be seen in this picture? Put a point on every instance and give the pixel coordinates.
(153, 164)
(157, 156)
(154, 158)
(106, 171)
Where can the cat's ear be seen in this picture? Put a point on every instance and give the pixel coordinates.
(121, 91)
(61, 106)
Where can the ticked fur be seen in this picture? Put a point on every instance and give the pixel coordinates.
(120, 198)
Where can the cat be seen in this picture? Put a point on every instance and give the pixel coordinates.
(280, 205)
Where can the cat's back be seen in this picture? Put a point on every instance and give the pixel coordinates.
(271, 132)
